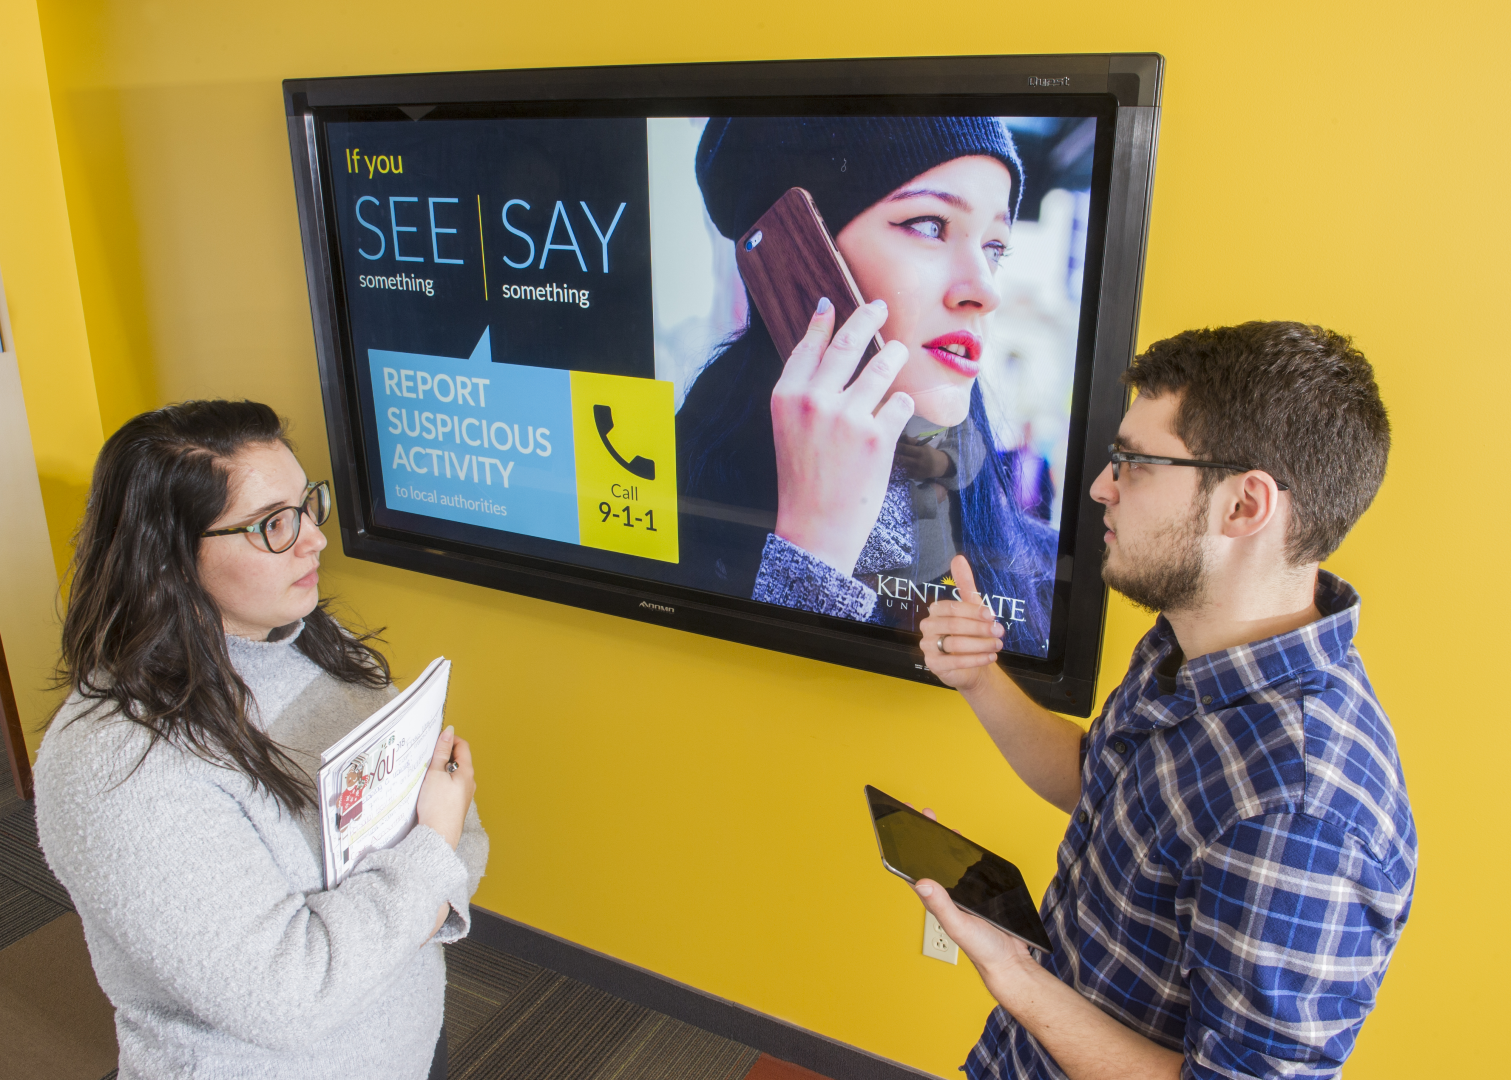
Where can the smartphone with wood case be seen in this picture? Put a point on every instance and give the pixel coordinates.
(788, 261)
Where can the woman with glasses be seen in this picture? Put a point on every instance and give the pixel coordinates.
(175, 798)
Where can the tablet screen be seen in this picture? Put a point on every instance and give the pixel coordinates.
(914, 847)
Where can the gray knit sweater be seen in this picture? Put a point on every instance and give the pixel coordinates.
(203, 902)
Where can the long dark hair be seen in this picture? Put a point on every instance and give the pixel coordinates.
(727, 454)
(142, 637)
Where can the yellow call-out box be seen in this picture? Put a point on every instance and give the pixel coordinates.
(624, 435)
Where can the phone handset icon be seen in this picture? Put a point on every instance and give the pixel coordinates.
(643, 467)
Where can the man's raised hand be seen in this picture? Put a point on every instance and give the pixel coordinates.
(970, 634)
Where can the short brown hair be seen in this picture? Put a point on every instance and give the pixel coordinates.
(1297, 401)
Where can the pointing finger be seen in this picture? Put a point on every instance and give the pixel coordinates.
(965, 581)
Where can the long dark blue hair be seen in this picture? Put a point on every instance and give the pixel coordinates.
(726, 453)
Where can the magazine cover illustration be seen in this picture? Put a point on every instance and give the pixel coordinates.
(369, 783)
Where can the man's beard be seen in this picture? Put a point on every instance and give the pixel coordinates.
(1169, 571)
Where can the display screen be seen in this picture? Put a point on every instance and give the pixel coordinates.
(557, 352)
(914, 847)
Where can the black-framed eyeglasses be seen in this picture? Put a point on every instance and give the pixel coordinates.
(280, 529)
(1120, 456)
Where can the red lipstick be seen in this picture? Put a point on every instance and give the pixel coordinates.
(959, 350)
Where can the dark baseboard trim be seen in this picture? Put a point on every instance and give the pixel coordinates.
(644, 987)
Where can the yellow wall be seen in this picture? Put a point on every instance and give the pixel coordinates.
(694, 806)
(42, 286)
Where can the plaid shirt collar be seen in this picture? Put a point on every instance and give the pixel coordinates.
(1223, 679)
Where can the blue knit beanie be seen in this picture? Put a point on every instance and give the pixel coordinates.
(745, 163)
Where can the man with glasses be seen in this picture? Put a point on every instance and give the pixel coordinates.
(1240, 857)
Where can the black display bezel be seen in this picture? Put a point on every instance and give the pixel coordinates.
(1123, 92)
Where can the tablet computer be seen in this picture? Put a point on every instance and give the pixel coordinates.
(987, 885)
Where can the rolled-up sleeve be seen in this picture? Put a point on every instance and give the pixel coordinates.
(1292, 924)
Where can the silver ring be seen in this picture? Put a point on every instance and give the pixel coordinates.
(940, 644)
(452, 766)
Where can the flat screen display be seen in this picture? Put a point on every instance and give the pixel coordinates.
(560, 335)
(558, 355)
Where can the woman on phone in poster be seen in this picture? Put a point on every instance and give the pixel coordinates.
(875, 485)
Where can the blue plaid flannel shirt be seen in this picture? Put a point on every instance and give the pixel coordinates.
(1240, 865)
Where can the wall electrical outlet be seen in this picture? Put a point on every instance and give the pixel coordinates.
(937, 943)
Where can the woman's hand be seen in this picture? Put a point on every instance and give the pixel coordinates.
(834, 446)
(445, 796)
(972, 636)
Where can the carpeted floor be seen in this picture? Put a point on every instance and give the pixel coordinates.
(30, 897)
(506, 1019)
(510, 1020)
(57, 1023)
